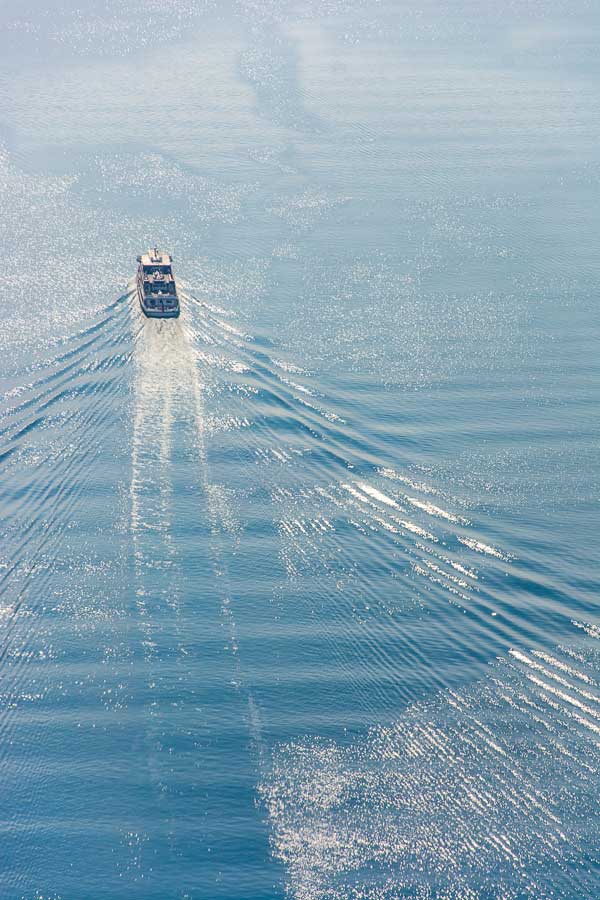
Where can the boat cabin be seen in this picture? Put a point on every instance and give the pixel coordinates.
(156, 273)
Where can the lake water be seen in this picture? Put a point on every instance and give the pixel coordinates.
(299, 592)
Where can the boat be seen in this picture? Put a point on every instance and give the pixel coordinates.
(157, 291)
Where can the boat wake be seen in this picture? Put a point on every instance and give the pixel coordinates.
(487, 789)
(169, 449)
(375, 539)
(52, 431)
(227, 538)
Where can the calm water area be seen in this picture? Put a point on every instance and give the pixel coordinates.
(299, 591)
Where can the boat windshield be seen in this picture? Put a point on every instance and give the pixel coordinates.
(162, 270)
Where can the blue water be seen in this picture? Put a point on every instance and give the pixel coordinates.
(299, 592)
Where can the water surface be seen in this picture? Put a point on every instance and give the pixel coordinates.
(299, 591)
